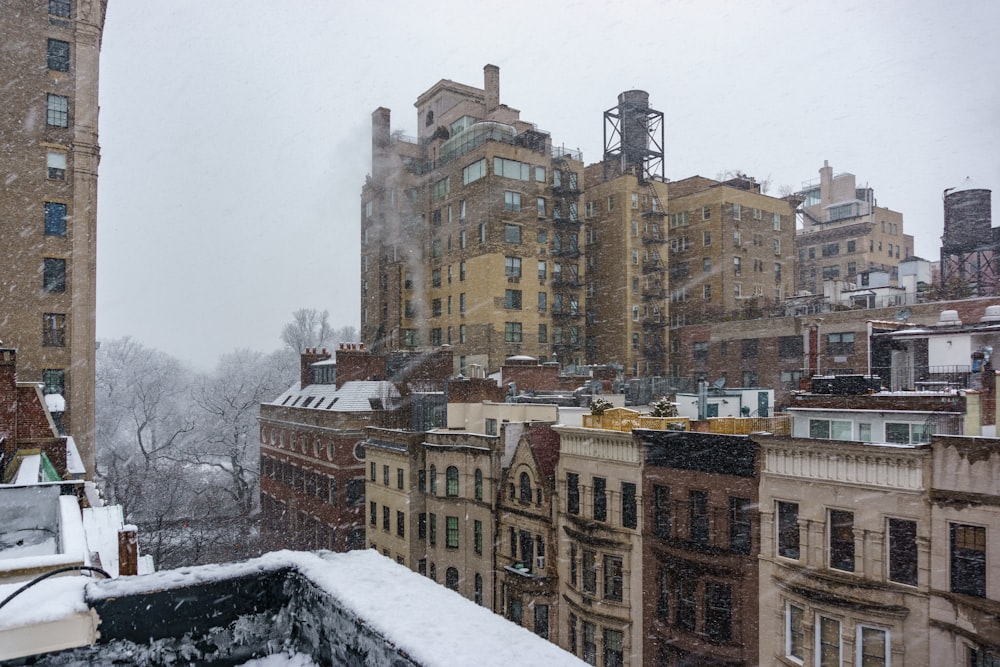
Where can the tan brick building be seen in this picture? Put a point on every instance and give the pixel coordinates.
(471, 233)
(846, 233)
(49, 62)
(731, 249)
(627, 271)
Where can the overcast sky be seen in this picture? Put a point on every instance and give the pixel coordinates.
(235, 135)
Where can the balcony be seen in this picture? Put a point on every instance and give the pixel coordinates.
(623, 419)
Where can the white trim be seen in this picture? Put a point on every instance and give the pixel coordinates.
(887, 647)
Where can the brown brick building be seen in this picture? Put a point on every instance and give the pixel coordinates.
(700, 545)
(49, 65)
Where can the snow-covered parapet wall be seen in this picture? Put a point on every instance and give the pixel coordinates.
(351, 608)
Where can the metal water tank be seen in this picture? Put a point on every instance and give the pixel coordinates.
(967, 218)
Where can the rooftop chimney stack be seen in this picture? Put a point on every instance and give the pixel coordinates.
(491, 87)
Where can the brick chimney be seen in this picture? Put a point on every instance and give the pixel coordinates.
(491, 87)
(306, 359)
(354, 362)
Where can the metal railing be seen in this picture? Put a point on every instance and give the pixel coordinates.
(780, 424)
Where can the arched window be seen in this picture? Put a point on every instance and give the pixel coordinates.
(479, 484)
(434, 480)
(451, 478)
(429, 118)
(451, 578)
(525, 480)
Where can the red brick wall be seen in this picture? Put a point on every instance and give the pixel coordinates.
(356, 363)
(474, 390)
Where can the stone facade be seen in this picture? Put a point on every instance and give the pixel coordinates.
(600, 545)
(50, 62)
(845, 558)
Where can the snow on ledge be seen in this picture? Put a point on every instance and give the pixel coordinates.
(433, 625)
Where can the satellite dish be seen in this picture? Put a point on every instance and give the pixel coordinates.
(902, 315)
(719, 384)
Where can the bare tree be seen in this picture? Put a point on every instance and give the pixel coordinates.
(308, 328)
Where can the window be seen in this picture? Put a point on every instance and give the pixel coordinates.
(629, 515)
(474, 172)
(661, 511)
(512, 233)
(53, 381)
(54, 275)
(589, 572)
(61, 8)
(794, 633)
(572, 493)
(686, 603)
(55, 162)
(55, 219)
(482, 233)
(511, 169)
(736, 211)
(613, 578)
(477, 533)
(433, 477)
(828, 642)
(718, 611)
(842, 540)
(373, 510)
(790, 347)
(421, 525)
(777, 222)
(840, 343)
(737, 265)
(400, 524)
(511, 201)
(512, 332)
(777, 250)
(700, 351)
(968, 559)
(739, 525)
(433, 530)
(371, 471)
(542, 620)
(451, 578)
(524, 482)
(512, 299)
(512, 267)
(614, 655)
(902, 551)
(479, 484)
(590, 640)
(872, 647)
(451, 481)
(58, 55)
(478, 592)
(698, 516)
(540, 206)
(600, 499)
(57, 111)
(434, 572)
(385, 518)
(385, 475)
(788, 530)
(451, 532)
(54, 330)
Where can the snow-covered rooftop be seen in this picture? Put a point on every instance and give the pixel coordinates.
(353, 396)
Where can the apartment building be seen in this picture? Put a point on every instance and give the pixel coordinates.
(845, 233)
(779, 351)
(48, 120)
(627, 270)
(845, 557)
(394, 493)
(471, 233)
(964, 552)
(731, 249)
(312, 458)
(525, 552)
(600, 545)
(700, 546)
